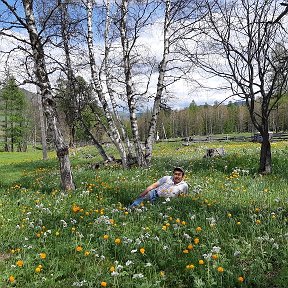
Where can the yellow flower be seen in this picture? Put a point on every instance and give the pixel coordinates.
(112, 269)
(229, 215)
(11, 278)
(183, 223)
(185, 251)
(241, 279)
(37, 269)
(198, 229)
(164, 228)
(190, 266)
(79, 248)
(238, 223)
(142, 251)
(258, 221)
(105, 237)
(257, 210)
(190, 247)
(214, 256)
(220, 269)
(201, 262)
(117, 241)
(178, 220)
(42, 255)
(75, 208)
(103, 284)
(20, 263)
(196, 241)
(87, 253)
(162, 273)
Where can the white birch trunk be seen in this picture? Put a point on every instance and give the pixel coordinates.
(48, 103)
(108, 81)
(42, 125)
(114, 135)
(129, 85)
(160, 86)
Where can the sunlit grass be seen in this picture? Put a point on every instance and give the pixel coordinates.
(230, 232)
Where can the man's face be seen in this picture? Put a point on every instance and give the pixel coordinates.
(177, 176)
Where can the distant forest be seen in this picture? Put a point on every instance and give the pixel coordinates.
(213, 119)
(194, 120)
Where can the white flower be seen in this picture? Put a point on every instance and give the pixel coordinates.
(134, 251)
(114, 273)
(138, 276)
(128, 263)
(186, 236)
(237, 253)
(148, 264)
(165, 247)
(275, 246)
(215, 249)
(207, 256)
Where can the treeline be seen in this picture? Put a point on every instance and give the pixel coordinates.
(212, 119)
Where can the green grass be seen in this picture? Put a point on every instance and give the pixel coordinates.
(239, 218)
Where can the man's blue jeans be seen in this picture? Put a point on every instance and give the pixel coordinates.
(150, 196)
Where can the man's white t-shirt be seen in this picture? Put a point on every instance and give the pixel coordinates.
(167, 187)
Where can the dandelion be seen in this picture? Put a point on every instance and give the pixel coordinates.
(215, 256)
(201, 262)
(11, 279)
(198, 229)
(196, 241)
(142, 251)
(185, 251)
(190, 247)
(190, 266)
(103, 284)
(79, 248)
(164, 227)
(258, 221)
(38, 269)
(42, 255)
(112, 269)
(105, 237)
(20, 263)
(87, 253)
(117, 241)
(241, 279)
(76, 208)
(220, 269)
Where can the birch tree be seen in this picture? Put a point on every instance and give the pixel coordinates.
(241, 46)
(25, 19)
(128, 65)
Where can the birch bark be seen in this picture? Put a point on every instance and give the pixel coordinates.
(114, 133)
(47, 100)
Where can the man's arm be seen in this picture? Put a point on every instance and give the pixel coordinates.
(149, 188)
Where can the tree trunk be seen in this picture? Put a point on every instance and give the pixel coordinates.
(96, 143)
(42, 125)
(113, 133)
(265, 155)
(129, 85)
(48, 103)
(160, 86)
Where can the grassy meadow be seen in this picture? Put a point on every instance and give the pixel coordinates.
(231, 231)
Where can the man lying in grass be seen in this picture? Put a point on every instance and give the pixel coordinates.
(167, 186)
